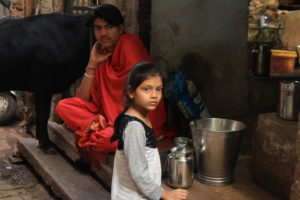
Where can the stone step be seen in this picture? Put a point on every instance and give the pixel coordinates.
(65, 141)
(65, 181)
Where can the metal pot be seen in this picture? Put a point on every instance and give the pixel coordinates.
(289, 100)
(179, 164)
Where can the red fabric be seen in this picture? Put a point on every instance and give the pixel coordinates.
(107, 98)
(97, 124)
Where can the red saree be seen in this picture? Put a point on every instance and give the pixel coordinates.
(107, 97)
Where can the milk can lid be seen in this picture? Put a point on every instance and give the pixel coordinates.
(179, 150)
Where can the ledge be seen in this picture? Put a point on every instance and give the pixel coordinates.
(275, 156)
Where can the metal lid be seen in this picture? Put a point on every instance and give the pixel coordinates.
(183, 141)
(181, 151)
(289, 85)
(284, 53)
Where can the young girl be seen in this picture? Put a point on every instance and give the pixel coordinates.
(137, 168)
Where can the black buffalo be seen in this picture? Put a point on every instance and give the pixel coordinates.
(43, 54)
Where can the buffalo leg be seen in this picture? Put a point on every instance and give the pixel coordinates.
(42, 109)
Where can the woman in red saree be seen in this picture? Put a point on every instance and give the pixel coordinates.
(99, 98)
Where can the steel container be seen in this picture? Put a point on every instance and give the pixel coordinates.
(180, 163)
(216, 144)
(261, 60)
(289, 100)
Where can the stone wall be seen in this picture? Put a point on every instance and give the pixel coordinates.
(258, 8)
(48, 6)
(276, 155)
(290, 36)
(23, 8)
(295, 189)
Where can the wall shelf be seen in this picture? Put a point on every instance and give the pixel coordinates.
(284, 76)
(266, 27)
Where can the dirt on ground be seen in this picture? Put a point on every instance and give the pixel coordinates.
(17, 179)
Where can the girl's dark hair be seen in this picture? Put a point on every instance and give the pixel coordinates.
(109, 13)
(140, 72)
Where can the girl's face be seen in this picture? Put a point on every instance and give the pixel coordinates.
(148, 94)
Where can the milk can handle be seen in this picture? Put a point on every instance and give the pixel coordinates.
(167, 163)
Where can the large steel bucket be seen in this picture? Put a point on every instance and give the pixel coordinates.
(216, 144)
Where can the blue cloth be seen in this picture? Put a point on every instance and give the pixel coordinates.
(184, 96)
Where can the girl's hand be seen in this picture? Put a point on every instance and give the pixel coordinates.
(178, 194)
(98, 55)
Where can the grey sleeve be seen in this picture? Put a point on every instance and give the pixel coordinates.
(134, 149)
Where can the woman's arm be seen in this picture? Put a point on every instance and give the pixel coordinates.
(97, 56)
(84, 89)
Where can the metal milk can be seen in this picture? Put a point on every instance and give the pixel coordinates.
(179, 167)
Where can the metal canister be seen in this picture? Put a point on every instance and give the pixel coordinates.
(180, 163)
(261, 59)
(289, 100)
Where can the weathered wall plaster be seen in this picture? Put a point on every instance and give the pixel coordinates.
(212, 36)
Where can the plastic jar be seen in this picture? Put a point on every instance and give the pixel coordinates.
(282, 61)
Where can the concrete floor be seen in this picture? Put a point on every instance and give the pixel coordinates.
(243, 187)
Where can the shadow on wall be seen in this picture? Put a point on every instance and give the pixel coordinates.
(199, 72)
